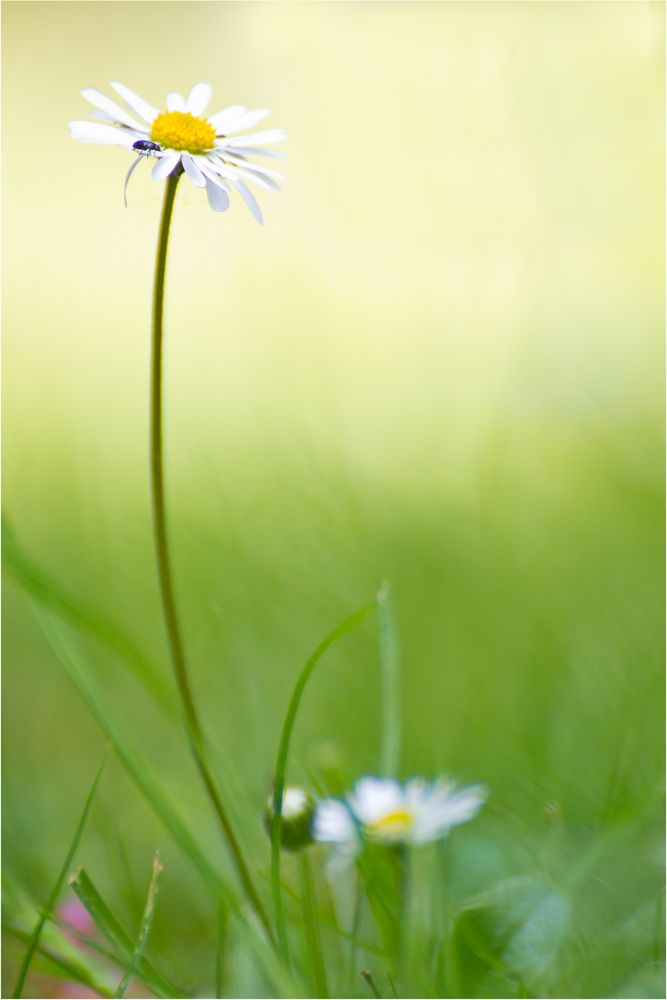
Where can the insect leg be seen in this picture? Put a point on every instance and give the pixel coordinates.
(128, 175)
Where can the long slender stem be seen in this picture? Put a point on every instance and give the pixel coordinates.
(390, 696)
(314, 943)
(192, 723)
(356, 928)
(281, 769)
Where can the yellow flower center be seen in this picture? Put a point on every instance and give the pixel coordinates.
(393, 826)
(181, 131)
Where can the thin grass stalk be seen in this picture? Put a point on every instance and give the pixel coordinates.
(281, 768)
(60, 881)
(62, 964)
(191, 717)
(311, 926)
(220, 948)
(390, 695)
(145, 927)
(356, 930)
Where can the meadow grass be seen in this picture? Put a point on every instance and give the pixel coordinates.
(530, 659)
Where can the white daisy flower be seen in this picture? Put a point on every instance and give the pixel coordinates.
(381, 810)
(209, 150)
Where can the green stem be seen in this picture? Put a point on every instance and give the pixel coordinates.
(390, 694)
(311, 927)
(356, 930)
(281, 769)
(192, 723)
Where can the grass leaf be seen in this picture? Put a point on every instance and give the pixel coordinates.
(57, 887)
(146, 923)
(117, 936)
(73, 968)
(390, 695)
(48, 592)
(281, 762)
(71, 661)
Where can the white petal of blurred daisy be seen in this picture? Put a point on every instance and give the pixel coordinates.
(382, 810)
(208, 150)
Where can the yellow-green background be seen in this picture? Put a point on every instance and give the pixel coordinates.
(439, 362)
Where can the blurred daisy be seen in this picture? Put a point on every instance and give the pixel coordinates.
(381, 810)
(209, 150)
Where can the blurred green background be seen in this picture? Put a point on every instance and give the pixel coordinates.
(439, 362)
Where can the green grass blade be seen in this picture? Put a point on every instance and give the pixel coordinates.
(100, 913)
(390, 695)
(146, 923)
(281, 763)
(48, 592)
(67, 966)
(117, 936)
(311, 927)
(71, 661)
(60, 881)
(221, 945)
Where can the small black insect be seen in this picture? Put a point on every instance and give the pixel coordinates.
(144, 147)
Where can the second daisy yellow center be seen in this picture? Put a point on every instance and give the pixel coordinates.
(395, 824)
(183, 132)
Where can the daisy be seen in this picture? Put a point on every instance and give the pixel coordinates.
(209, 150)
(381, 810)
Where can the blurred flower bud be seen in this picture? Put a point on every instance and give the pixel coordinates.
(298, 808)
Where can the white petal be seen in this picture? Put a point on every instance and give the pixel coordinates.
(175, 102)
(217, 198)
(249, 199)
(98, 100)
(235, 172)
(224, 169)
(224, 118)
(208, 172)
(255, 167)
(463, 805)
(96, 132)
(141, 107)
(436, 817)
(141, 131)
(257, 138)
(259, 152)
(332, 823)
(193, 171)
(247, 120)
(198, 98)
(373, 798)
(165, 165)
(257, 178)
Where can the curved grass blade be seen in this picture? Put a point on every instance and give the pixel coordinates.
(117, 936)
(146, 923)
(60, 881)
(390, 695)
(281, 764)
(59, 940)
(73, 970)
(70, 660)
(49, 592)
